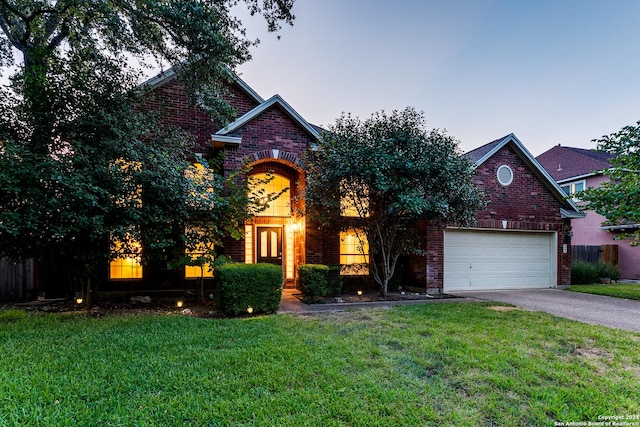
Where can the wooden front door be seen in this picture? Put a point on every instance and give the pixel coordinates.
(269, 245)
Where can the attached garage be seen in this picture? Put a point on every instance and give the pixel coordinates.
(499, 259)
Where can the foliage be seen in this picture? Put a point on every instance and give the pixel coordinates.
(617, 290)
(319, 281)
(385, 175)
(608, 271)
(446, 364)
(241, 286)
(618, 199)
(82, 165)
(585, 273)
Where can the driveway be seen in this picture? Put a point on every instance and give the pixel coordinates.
(598, 310)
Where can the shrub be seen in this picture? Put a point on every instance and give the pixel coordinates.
(609, 271)
(334, 280)
(318, 281)
(584, 273)
(313, 280)
(241, 286)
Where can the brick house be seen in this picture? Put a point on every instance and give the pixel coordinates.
(521, 239)
(576, 169)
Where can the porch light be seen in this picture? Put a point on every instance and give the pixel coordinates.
(179, 304)
(249, 309)
(295, 227)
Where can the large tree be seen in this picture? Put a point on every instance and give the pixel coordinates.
(618, 199)
(383, 176)
(81, 163)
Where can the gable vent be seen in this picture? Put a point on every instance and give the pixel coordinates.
(505, 175)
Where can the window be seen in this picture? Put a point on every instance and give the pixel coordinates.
(198, 250)
(574, 188)
(128, 264)
(354, 253)
(505, 175)
(265, 186)
(354, 199)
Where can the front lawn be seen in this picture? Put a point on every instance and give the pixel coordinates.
(618, 290)
(441, 364)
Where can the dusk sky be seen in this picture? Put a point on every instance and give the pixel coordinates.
(564, 71)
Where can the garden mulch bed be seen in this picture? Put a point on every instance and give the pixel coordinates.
(375, 296)
(156, 306)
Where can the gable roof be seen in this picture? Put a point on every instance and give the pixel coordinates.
(481, 154)
(170, 75)
(276, 100)
(570, 163)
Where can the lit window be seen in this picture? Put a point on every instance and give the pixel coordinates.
(127, 265)
(354, 253)
(200, 250)
(200, 193)
(265, 186)
(354, 199)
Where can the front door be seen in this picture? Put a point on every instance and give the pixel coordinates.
(269, 245)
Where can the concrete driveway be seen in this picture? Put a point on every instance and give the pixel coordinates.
(598, 310)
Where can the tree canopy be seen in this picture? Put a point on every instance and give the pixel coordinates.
(385, 175)
(618, 199)
(82, 163)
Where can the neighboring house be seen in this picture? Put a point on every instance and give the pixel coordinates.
(576, 169)
(520, 240)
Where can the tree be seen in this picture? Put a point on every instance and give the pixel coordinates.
(381, 177)
(82, 164)
(618, 199)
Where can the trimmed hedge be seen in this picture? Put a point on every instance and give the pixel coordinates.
(585, 273)
(318, 281)
(241, 286)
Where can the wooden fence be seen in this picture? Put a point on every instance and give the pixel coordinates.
(16, 280)
(594, 254)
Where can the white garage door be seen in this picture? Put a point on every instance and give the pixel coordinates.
(482, 260)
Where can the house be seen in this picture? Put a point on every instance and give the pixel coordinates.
(521, 239)
(576, 169)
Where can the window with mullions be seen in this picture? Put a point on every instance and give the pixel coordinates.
(128, 264)
(574, 188)
(354, 253)
(266, 185)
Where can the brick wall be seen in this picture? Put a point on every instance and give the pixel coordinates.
(526, 204)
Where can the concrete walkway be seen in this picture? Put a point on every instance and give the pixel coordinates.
(595, 309)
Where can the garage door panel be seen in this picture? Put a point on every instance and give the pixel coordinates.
(478, 260)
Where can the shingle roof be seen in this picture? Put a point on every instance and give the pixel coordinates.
(565, 163)
(476, 154)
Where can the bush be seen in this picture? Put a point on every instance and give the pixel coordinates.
(319, 281)
(584, 273)
(608, 271)
(313, 280)
(334, 280)
(241, 286)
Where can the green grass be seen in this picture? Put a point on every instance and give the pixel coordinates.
(451, 364)
(618, 290)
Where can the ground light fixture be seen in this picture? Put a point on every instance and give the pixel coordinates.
(359, 294)
(179, 304)
(249, 309)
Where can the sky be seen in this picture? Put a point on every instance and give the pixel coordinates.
(549, 71)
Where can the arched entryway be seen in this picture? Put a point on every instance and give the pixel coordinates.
(276, 234)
